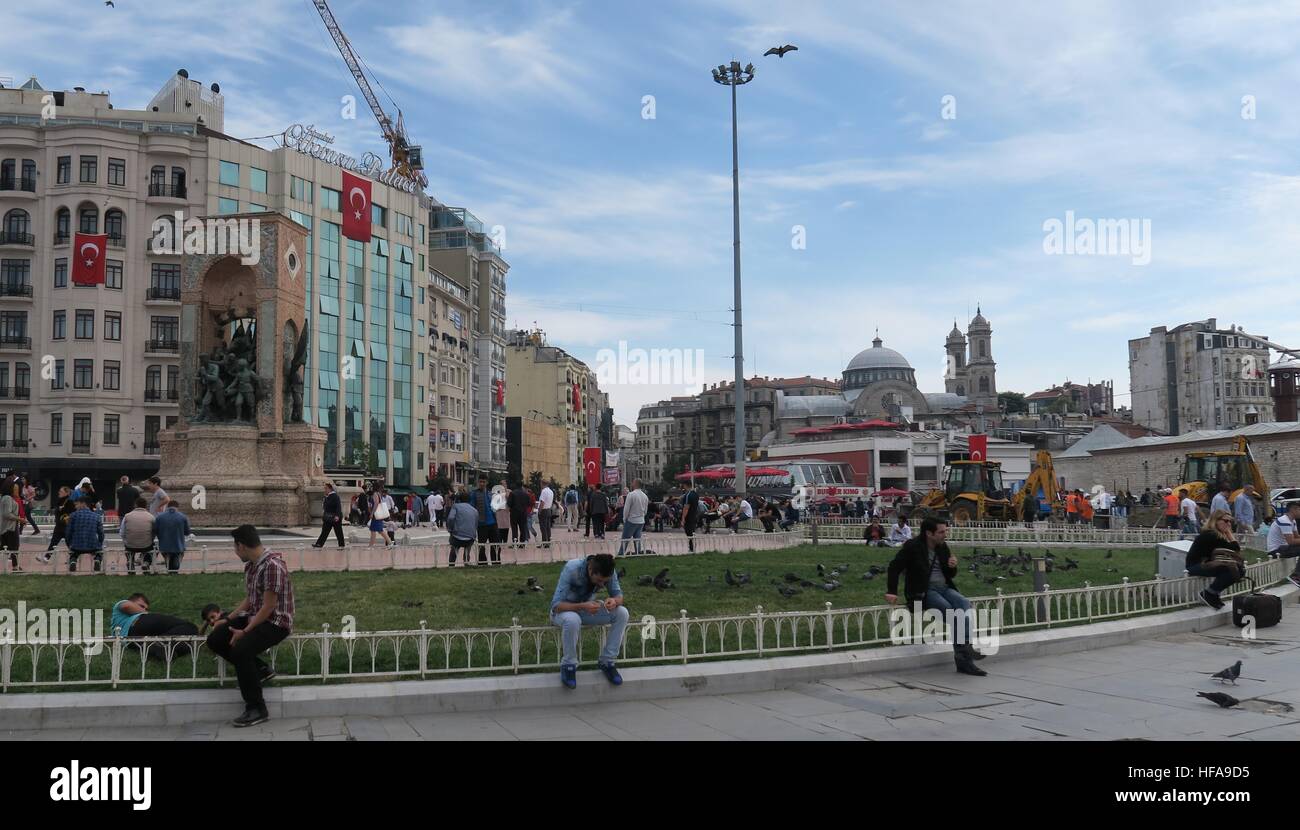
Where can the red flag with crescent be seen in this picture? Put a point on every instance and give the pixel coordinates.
(979, 447)
(88, 266)
(356, 207)
(577, 398)
(591, 465)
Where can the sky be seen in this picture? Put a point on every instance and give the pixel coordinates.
(919, 152)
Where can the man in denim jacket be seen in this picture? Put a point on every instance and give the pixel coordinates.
(573, 607)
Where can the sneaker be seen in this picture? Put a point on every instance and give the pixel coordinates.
(251, 717)
(611, 674)
(1211, 600)
(317, 546)
(267, 675)
(44, 557)
(569, 676)
(1295, 579)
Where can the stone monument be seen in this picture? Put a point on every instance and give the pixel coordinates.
(244, 335)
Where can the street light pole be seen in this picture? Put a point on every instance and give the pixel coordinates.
(734, 76)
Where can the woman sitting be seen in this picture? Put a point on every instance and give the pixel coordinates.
(1215, 553)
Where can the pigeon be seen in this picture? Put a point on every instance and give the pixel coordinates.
(789, 577)
(532, 580)
(876, 569)
(520, 592)
(1110, 554)
(109, 3)
(406, 603)
(1012, 572)
(835, 573)
(780, 51)
(1224, 701)
(1048, 566)
(827, 587)
(1071, 563)
(1112, 570)
(743, 579)
(788, 591)
(729, 579)
(821, 570)
(661, 580)
(842, 568)
(1230, 673)
(646, 580)
(622, 572)
(868, 576)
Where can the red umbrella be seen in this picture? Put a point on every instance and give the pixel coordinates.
(891, 492)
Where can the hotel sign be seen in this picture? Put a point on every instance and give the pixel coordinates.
(315, 143)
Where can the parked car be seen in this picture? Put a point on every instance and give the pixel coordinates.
(1283, 496)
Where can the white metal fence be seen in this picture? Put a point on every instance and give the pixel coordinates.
(327, 656)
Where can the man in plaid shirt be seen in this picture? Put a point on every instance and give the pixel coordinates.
(262, 620)
(85, 534)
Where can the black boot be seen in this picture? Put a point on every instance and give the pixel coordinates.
(966, 665)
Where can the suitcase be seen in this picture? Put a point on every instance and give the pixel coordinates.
(1265, 609)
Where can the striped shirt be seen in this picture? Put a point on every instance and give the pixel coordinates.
(269, 573)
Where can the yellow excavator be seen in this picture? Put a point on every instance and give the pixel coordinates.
(1205, 472)
(973, 492)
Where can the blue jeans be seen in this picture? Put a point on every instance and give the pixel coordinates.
(631, 530)
(948, 599)
(571, 622)
(1190, 527)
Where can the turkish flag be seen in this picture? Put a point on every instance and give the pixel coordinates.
(356, 207)
(501, 392)
(577, 398)
(88, 267)
(591, 465)
(979, 447)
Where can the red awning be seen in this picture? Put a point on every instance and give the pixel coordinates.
(891, 492)
(810, 431)
(766, 471)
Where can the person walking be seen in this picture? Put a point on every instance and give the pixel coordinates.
(545, 511)
(262, 620)
(136, 530)
(10, 521)
(519, 502)
(690, 516)
(29, 501)
(635, 506)
(331, 519)
(171, 527)
(435, 503)
(571, 508)
(1191, 515)
(158, 497)
(928, 568)
(1171, 509)
(127, 493)
(597, 511)
(85, 535)
(1243, 510)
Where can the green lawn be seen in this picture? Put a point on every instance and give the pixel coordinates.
(483, 597)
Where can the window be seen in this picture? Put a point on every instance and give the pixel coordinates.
(57, 381)
(117, 172)
(113, 225)
(254, 207)
(157, 180)
(81, 430)
(64, 170)
(173, 382)
(378, 215)
(112, 375)
(165, 281)
(152, 424)
(153, 383)
(112, 325)
(85, 324)
(22, 377)
(111, 432)
(59, 330)
(256, 180)
(89, 169)
(56, 428)
(17, 224)
(15, 273)
(113, 274)
(230, 173)
(329, 198)
(88, 220)
(225, 205)
(62, 226)
(83, 374)
(300, 189)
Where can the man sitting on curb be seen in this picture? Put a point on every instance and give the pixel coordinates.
(573, 607)
(928, 568)
(1284, 540)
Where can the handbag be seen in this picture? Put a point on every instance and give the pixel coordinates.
(381, 511)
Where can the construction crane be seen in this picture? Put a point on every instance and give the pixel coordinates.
(408, 158)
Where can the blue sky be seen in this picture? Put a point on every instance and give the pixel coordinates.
(619, 227)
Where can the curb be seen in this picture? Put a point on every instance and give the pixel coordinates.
(126, 709)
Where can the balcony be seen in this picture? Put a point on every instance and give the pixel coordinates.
(163, 294)
(159, 190)
(18, 446)
(15, 343)
(12, 238)
(15, 289)
(172, 347)
(61, 238)
(169, 247)
(21, 185)
(159, 396)
(152, 449)
(118, 242)
(80, 449)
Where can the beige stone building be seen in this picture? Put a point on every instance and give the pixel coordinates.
(450, 371)
(542, 380)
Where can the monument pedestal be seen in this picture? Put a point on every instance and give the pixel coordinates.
(244, 474)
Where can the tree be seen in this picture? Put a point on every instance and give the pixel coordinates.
(535, 481)
(1060, 406)
(1013, 402)
(676, 465)
(366, 457)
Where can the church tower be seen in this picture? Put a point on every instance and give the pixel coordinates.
(981, 381)
(954, 376)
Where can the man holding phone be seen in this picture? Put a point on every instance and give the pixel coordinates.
(928, 568)
(572, 607)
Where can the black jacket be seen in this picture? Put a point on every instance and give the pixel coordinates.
(1206, 542)
(913, 561)
(597, 503)
(333, 508)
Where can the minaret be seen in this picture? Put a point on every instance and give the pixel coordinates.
(982, 378)
(954, 376)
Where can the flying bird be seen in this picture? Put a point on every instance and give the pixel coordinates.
(780, 51)
(1224, 701)
(109, 3)
(1230, 673)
